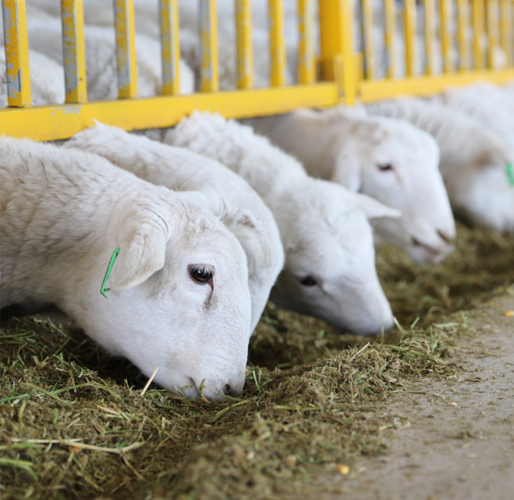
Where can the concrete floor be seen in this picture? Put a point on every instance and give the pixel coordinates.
(455, 439)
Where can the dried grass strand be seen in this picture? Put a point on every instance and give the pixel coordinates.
(147, 385)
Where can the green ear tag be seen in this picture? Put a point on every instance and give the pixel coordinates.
(510, 173)
(108, 272)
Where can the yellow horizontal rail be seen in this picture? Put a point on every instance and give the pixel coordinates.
(48, 123)
(427, 85)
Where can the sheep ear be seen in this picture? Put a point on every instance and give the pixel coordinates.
(142, 244)
(373, 209)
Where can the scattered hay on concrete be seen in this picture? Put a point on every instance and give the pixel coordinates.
(73, 423)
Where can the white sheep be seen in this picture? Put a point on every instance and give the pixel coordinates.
(231, 199)
(329, 269)
(488, 104)
(178, 296)
(45, 33)
(46, 80)
(389, 160)
(474, 162)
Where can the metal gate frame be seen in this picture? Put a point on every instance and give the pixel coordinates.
(340, 67)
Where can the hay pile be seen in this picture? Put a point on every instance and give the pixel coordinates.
(74, 425)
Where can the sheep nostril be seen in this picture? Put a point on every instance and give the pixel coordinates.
(445, 237)
(228, 391)
(415, 241)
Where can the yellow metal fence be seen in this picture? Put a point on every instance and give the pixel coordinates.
(482, 48)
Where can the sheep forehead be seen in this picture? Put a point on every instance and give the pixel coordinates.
(408, 140)
(400, 129)
(328, 236)
(199, 229)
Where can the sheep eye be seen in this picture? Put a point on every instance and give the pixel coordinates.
(385, 166)
(200, 274)
(308, 281)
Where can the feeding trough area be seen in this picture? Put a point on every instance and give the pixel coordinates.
(256, 249)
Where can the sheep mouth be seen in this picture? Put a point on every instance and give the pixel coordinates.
(446, 237)
(432, 251)
(183, 390)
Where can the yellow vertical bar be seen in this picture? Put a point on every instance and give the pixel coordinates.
(493, 33)
(306, 59)
(462, 27)
(409, 20)
(170, 46)
(446, 35)
(277, 45)
(507, 12)
(336, 45)
(74, 53)
(478, 33)
(505, 29)
(209, 79)
(16, 53)
(244, 44)
(430, 35)
(390, 37)
(369, 48)
(125, 48)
